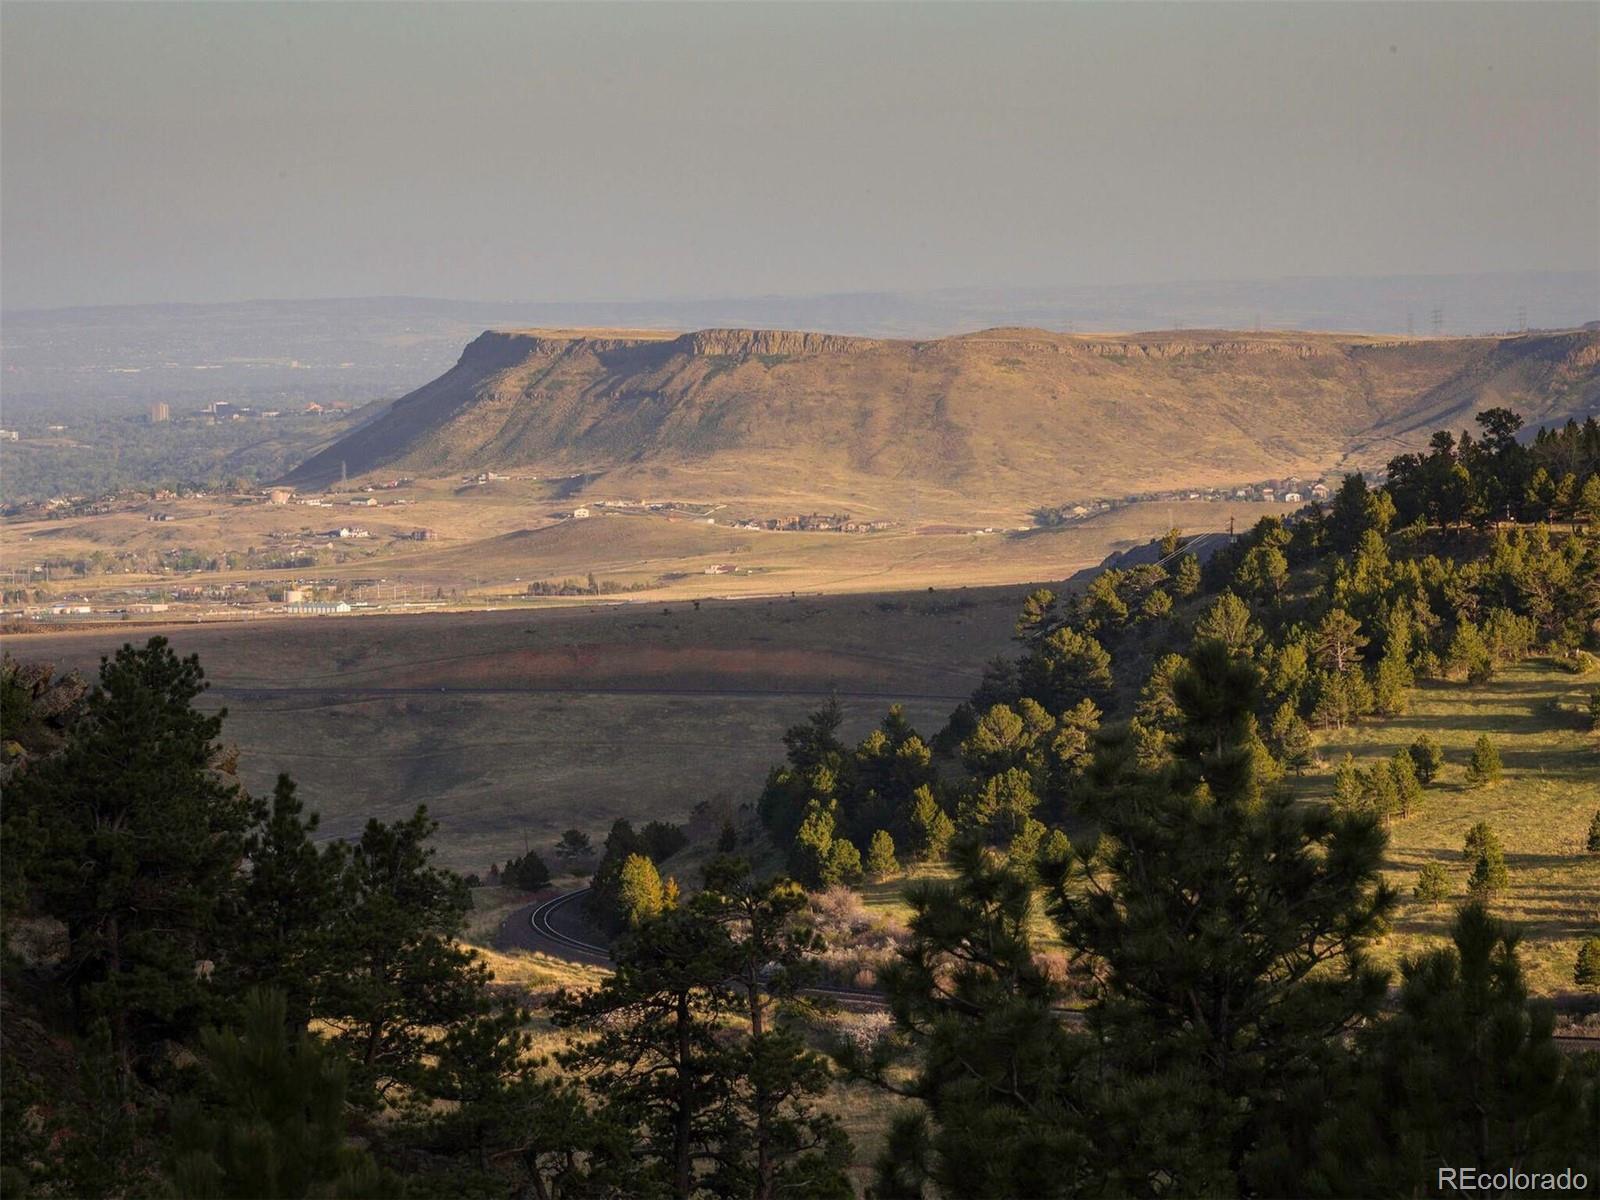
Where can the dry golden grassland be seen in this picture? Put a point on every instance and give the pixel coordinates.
(493, 541)
(522, 725)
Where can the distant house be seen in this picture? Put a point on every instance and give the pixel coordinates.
(1291, 497)
(580, 513)
(1268, 494)
(318, 607)
(280, 495)
(364, 502)
(1319, 491)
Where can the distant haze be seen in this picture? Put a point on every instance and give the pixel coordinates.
(220, 152)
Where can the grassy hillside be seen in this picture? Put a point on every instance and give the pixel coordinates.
(1004, 419)
(1541, 808)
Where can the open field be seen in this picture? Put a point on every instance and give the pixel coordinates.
(491, 542)
(1540, 808)
(522, 724)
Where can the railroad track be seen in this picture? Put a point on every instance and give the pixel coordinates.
(539, 919)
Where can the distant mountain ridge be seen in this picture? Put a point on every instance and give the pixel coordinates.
(1004, 417)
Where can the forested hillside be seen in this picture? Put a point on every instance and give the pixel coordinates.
(1142, 956)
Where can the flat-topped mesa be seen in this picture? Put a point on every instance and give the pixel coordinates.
(1000, 416)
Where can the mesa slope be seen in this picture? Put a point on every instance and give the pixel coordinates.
(1004, 419)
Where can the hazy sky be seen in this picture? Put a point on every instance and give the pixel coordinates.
(156, 152)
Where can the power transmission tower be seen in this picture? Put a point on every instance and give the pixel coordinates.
(344, 476)
(1522, 318)
(1411, 324)
(1436, 317)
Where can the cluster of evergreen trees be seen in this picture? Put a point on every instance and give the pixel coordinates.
(1556, 477)
(235, 998)
(1233, 1038)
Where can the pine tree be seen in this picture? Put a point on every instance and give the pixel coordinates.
(1390, 684)
(1428, 757)
(1408, 788)
(1212, 911)
(526, 872)
(931, 826)
(1586, 973)
(1469, 655)
(785, 1146)
(141, 838)
(1465, 1072)
(1186, 577)
(399, 974)
(280, 920)
(270, 1120)
(843, 865)
(653, 1048)
(1348, 794)
(1484, 768)
(1433, 883)
(1380, 791)
(1338, 642)
(717, 1112)
(1480, 837)
(998, 1074)
(1299, 748)
(1489, 876)
(1228, 621)
(574, 846)
(999, 807)
(881, 861)
(1067, 667)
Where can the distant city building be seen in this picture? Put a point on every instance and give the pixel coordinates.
(159, 413)
(294, 595)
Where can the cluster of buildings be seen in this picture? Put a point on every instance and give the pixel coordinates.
(815, 523)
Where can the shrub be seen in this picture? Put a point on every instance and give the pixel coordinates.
(1593, 844)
